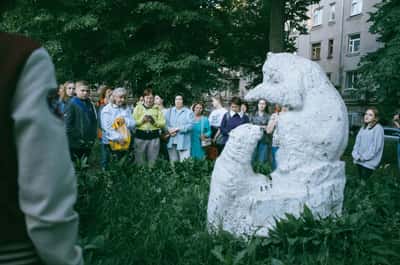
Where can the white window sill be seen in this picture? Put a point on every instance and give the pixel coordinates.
(353, 54)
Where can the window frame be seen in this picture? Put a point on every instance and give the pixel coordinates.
(353, 10)
(331, 43)
(312, 51)
(351, 43)
(332, 7)
(354, 77)
(318, 10)
(329, 75)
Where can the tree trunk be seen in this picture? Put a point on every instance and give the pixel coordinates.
(277, 22)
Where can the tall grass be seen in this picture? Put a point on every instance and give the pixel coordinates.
(141, 215)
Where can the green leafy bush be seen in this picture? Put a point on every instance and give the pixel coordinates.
(140, 215)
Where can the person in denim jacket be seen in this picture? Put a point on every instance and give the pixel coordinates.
(179, 124)
(116, 109)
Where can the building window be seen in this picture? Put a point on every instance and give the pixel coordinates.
(351, 79)
(332, 12)
(317, 17)
(354, 43)
(329, 75)
(316, 51)
(330, 48)
(356, 7)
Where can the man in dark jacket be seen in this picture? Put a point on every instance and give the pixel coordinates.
(38, 224)
(81, 122)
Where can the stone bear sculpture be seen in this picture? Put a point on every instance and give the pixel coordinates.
(313, 135)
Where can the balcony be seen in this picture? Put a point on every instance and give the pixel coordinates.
(352, 95)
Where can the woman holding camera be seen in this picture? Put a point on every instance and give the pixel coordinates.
(149, 120)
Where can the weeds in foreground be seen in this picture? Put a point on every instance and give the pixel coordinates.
(140, 215)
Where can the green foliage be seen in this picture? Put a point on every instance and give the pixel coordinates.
(379, 70)
(140, 215)
(295, 15)
(163, 44)
(173, 46)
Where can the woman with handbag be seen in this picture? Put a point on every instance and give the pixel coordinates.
(116, 124)
(201, 132)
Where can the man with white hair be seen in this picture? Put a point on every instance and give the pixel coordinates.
(114, 112)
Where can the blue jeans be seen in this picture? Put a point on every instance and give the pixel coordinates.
(274, 149)
(261, 153)
(105, 155)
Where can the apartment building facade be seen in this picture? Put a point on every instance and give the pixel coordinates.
(338, 36)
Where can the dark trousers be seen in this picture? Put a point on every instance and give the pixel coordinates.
(164, 150)
(220, 148)
(364, 172)
(107, 154)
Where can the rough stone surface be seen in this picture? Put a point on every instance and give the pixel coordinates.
(313, 135)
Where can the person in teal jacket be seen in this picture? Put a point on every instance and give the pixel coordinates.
(201, 131)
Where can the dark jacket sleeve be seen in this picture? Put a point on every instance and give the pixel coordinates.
(69, 118)
(246, 119)
(224, 125)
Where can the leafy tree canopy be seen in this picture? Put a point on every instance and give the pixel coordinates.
(380, 69)
(170, 45)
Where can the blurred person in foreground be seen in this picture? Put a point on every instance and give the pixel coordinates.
(38, 224)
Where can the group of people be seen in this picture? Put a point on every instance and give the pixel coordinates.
(151, 131)
(37, 193)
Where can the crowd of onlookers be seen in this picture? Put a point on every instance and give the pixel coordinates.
(149, 131)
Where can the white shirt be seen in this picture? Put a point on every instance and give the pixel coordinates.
(216, 116)
(232, 113)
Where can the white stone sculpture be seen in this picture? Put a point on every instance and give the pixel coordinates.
(313, 135)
